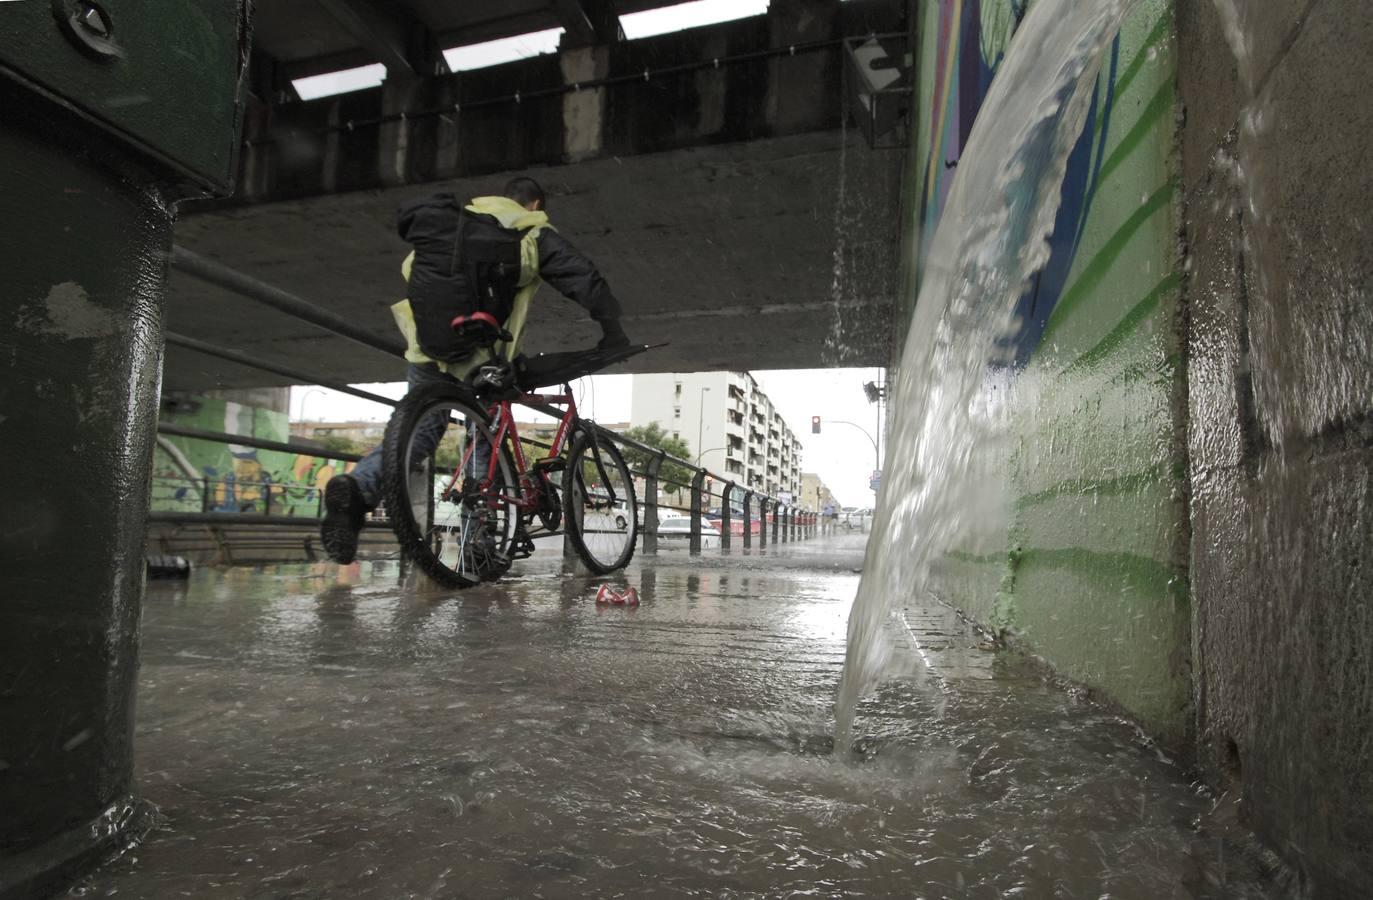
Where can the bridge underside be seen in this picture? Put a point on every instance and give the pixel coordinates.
(707, 172)
(726, 252)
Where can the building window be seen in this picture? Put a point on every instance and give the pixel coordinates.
(679, 388)
(676, 412)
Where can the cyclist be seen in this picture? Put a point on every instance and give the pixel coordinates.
(489, 257)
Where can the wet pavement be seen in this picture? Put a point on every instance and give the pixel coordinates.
(311, 732)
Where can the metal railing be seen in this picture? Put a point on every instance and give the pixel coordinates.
(788, 521)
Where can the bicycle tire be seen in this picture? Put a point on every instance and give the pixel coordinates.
(447, 545)
(589, 513)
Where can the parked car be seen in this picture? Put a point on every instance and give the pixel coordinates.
(675, 530)
(856, 519)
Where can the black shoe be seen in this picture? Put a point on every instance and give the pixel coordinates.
(344, 512)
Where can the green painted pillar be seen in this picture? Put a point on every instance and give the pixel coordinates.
(108, 116)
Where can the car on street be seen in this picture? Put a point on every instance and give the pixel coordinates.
(674, 530)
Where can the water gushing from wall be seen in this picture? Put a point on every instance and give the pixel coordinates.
(991, 239)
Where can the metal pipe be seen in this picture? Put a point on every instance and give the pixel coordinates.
(726, 536)
(748, 520)
(651, 504)
(252, 519)
(230, 279)
(637, 77)
(261, 444)
(296, 375)
(697, 484)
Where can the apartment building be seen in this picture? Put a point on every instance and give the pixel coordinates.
(815, 494)
(728, 422)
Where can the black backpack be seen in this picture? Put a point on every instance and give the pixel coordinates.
(464, 263)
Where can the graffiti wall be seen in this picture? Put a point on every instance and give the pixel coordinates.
(239, 478)
(1092, 573)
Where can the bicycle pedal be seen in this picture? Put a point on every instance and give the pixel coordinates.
(523, 545)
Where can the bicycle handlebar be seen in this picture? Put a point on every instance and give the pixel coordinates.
(548, 369)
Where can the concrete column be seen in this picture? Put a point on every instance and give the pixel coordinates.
(89, 212)
(81, 339)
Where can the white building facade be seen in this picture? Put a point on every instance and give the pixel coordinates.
(729, 424)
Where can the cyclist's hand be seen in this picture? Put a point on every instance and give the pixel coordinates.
(613, 337)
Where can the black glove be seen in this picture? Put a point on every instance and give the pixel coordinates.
(613, 337)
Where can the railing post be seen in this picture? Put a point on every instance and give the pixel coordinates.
(698, 483)
(763, 522)
(748, 519)
(651, 503)
(206, 500)
(267, 503)
(776, 521)
(726, 536)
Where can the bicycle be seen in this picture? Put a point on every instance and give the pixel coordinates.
(465, 505)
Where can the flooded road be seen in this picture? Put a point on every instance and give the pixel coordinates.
(311, 732)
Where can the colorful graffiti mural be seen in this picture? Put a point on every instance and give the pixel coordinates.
(1089, 543)
(240, 478)
(972, 39)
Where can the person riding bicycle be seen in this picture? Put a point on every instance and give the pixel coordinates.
(471, 277)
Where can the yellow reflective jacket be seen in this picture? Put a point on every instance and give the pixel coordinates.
(511, 215)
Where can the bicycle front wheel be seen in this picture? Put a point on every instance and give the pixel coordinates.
(449, 488)
(600, 512)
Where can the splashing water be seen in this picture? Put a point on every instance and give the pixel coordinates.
(991, 239)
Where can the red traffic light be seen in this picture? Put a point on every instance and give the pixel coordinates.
(814, 424)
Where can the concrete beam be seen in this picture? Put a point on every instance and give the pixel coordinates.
(728, 82)
(588, 22)
(399, 41)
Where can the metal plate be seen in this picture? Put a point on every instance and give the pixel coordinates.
(165, 78)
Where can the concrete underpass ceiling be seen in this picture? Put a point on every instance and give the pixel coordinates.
(727, 252)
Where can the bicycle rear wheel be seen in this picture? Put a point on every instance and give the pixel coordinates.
(453, 513)
(600, 512)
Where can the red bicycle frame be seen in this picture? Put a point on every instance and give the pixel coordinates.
(503, 419)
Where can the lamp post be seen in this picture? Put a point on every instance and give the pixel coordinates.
(877, 453)
(700, 420)
(704, 452)
(877, 395)
(306, 396)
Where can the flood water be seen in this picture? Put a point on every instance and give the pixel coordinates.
(316, 732)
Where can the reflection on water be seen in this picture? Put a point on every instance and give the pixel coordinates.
(310, 737)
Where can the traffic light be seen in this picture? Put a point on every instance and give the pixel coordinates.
(814, 424)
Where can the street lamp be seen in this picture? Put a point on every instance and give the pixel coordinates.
(876, 450)
(306, 396)
(704, 452)
(700, 419)
(877, 393)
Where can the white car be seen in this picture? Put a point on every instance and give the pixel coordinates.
(675, 530)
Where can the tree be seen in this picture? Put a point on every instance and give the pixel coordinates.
(653, 435)
(335, 443)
